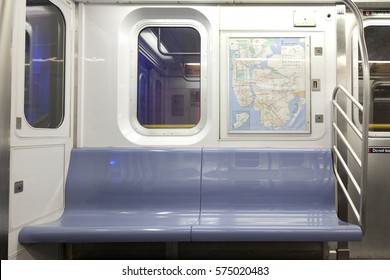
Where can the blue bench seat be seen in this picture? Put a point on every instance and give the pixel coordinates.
(269, 195)
(126, 195)
(194, 194)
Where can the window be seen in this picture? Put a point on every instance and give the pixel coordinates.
(44, 90)
(381, 106)
(168, 91)
(378, 44)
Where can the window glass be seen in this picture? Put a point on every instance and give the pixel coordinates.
(381, 108)
(168, 77)
(44, 65)
(378, 42)
(378, 46)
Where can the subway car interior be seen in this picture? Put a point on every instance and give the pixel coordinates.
(194, 129)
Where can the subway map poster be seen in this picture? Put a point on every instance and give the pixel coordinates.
(268, 89)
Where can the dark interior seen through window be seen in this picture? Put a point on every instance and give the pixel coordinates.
(44, 65)
(168, 77)
(378, 47)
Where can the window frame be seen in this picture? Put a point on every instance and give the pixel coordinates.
(57, 83)
(23, 128)
(133, 110)
(355, 77)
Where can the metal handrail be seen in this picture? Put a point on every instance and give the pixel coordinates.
(351, 150)
(344, 189)
(344, 114)
(338, 155)
(363, 135)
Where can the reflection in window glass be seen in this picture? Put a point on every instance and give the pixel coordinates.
(378, 46)
(378, 42)
(44, 65)
(168, 77)
(381, 108)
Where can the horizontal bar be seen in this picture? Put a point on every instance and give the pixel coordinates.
(352, 125)
(351, 150)
(342, 186)
(346, 168)
(350, 96)
(385, 126)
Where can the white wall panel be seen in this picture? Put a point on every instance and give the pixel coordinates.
(107, 66)
(42, 171)
(106, 61)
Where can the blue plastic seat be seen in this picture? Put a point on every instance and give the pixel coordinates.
(163, 195)
(126, 195)
(269, 195)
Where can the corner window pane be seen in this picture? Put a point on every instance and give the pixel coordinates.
(378, 44)
(44, 65)
(381, 108)
(169, 77)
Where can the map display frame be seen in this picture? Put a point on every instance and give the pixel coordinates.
(269, 84)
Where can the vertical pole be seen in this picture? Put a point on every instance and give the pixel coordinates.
(342, 203)
(367, 105)
(6, 10)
